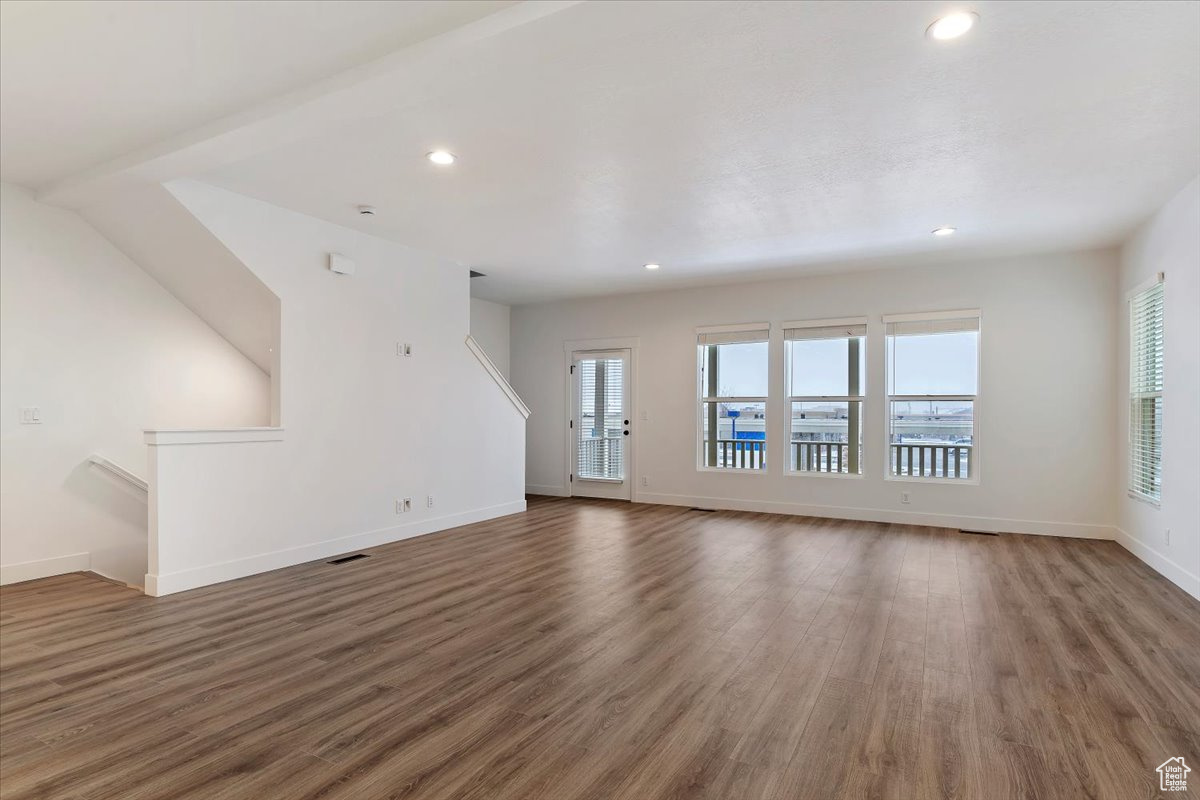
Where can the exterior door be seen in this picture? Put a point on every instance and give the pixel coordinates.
(599, 424)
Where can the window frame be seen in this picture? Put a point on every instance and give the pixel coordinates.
(702, 398)
(975, 462)
(1158, 281)
(861, 398)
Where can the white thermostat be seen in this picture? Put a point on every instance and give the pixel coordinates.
(340, 264)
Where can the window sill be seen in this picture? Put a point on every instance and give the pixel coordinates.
(946, 481)
(732, 471)
(797, 473)
(1141, 498)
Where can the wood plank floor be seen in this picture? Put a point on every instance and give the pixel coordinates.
(591, 649)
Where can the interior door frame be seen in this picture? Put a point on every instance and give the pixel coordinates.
(572, 346)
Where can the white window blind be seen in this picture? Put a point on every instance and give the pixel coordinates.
(600, 432)
(1146, 391)
(725, 336)
(833, 329)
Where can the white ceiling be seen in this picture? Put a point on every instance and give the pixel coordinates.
(85, 82)
(729, 140)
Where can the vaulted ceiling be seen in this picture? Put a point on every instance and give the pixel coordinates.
(724, 140)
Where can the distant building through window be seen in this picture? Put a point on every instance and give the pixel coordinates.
(933, 388)
(732, 367)
(826, 384)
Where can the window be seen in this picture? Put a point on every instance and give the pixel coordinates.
(732, 381)
(826, 380)
(1146, 391)
(933, 388)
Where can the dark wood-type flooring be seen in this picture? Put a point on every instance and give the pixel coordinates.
(591, 649)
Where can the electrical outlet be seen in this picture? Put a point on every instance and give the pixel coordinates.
(904, 497)
(407, 504)
(399, 506)
(645, 481)
(429, 501)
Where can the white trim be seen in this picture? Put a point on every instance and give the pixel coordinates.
(1074, 530)
(888, 476)
(159, 438)
(792, 472)
(1152, 281)
(825, 323)
(1143, 498)
(966, 313)
(169, 583)
(612, 343)
(546, 491)
(1176, 574)
(738, 328)
(759, 471)
(44, 568)
(572, 346)
(497, 376)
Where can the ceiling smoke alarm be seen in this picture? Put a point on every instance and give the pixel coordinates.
(366, 211)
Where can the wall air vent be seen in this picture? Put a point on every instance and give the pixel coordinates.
(346, 559)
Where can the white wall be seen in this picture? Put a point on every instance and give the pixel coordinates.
(490, 326)
(362, 426)
(1170, 243)
(1044, 420)
(105, 352)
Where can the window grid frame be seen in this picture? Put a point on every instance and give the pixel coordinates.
(789, 400)
(974, 464)
(702, 399)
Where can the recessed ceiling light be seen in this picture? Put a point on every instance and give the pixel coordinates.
(952, 26)
(443, 158)
(651, 266)
(945, 230)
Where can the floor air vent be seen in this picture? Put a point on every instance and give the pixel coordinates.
(703, 510)
(979, 533)
(344, 559)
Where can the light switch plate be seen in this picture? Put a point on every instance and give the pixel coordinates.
(31, 415)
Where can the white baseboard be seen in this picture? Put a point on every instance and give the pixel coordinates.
(547, 491)
(1074, 530)
(44, 568)
(169, 583)
(1164, 566)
